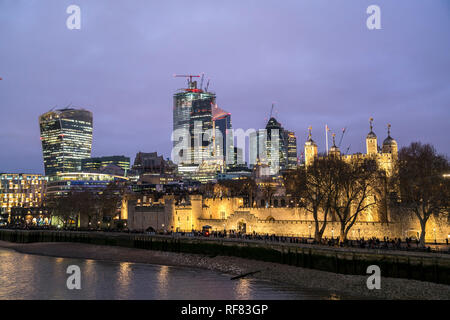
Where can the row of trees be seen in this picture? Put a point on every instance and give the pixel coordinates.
(88, 206)
(332, 189)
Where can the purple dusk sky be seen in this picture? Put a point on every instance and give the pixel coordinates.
(316, 59)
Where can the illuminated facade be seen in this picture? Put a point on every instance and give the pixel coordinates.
(20, 190)
(273, 146)
(189, 105)
(62, 183)
(384, 156)
(66, 137)
(224, 213)
(223, 137)
(95, 164)
(291, 149)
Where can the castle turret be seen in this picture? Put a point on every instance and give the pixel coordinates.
(334, 151)
(390, 145)
(310, 149)
(371, 141)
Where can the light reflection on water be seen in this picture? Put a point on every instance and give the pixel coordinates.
(24, 276)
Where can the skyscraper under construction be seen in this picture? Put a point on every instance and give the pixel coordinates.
(192, 120)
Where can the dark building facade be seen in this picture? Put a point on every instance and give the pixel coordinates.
(150, 162)
(66, 137)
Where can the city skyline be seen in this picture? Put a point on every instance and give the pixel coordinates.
(397, 75)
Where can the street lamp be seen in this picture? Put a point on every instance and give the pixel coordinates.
(309, 230)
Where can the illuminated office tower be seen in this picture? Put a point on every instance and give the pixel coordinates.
(291, 149)
(200, 129)
(191, 105)
(274, 146)
(66, 137)
(223, 139)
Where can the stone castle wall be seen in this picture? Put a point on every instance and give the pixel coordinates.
(228, 214)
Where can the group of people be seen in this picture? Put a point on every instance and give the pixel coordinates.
(371, 243)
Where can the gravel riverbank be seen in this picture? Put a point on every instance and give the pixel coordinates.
(345, 285)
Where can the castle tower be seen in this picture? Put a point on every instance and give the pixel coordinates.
(371, 140)
(310, 149)
(334, 151)
(390, 145)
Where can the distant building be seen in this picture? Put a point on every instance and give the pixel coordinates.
(291, 150)
(20, 190)
(150, 162)
(223, 136)
(257, 147)
(63, 183)
(66, 136)
(98, 163)
(273, 146)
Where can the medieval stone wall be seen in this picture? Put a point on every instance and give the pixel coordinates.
(228, 214)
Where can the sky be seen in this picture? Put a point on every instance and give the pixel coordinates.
(316, 60)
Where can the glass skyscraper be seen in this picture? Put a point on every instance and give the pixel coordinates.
(66, 137)
(292, 149)
(222, 126)
(274, 139)
(190, 105)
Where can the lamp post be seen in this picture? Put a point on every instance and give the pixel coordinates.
(309, 231)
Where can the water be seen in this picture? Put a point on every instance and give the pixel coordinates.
(25, 276)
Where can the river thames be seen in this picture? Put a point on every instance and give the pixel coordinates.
(26, 276)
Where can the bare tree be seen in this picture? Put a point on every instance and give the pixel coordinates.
(423, 188)
(109, 200)
(356, 186)
(248, 190)
(63, 207)
(313, 188)
(268, 191)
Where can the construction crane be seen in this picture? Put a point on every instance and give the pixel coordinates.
(190, 87)
(342, 136)
(346, 151)
(201, 82)
(190, 76)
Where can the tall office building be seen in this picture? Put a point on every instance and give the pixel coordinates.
(258, 147)
(66, 137)
(223, 136)
(276, 142)
(274, 138)
(190, 103)
(200, 129)
(192, 118)
(291, 149)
